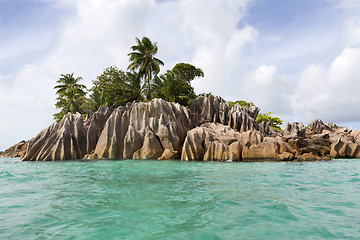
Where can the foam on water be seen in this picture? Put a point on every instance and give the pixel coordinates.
(179, 200)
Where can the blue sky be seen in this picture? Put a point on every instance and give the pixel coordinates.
(298, 58)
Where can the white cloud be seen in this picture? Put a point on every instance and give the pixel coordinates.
(348, 4)
(94, 35)
(351, 32)
(269, 90)
(238, 62)
(222, 63)
(332, 93)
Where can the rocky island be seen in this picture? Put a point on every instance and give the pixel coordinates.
(209, 130)
(136, 114)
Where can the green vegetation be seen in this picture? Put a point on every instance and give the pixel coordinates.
(115, 87)
(175, 84)
(142, 60)
(274, 122)
(71, 95)
(242, 103)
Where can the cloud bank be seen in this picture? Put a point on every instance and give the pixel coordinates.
(295, 74)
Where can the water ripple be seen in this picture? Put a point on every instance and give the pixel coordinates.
(176, 200)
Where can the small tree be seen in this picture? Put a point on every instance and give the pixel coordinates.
(242, 103)
(274, 122)
(113, 84)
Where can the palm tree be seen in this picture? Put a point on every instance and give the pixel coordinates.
(96, 100)
(134, 87)
(142, 60)
(71, 95)
(67, 82)
(172, 89)
(166, 86)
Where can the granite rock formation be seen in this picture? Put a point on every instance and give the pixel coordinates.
(69, 139)
(207, 131)
(215, 109)
(295, 129)
(213, 142)
(152, 130)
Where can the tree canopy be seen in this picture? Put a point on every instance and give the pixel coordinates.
(115, 87)
(274, 122)
(242, 103)
(71, 95)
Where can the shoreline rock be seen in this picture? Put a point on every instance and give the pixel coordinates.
(206, 131)
(17, 150)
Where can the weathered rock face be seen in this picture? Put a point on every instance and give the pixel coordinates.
(264, 127)
(356, 136)
(318, 145)
(295, 129)
(209, 109)
(342, 149)
(152, 130)
(217, 110)
(94, 123)
(69, 139)
(271, 149)
(243, 119)
(164, 130)
(61, 141)
(17, 150)
(317, 126)
(213, 142)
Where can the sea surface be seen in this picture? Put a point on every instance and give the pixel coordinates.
(134, 199)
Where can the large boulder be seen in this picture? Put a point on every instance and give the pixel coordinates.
(65, 140)
(152, 130)
(271, 149)
(214, 142)
(342, 149)
(69, 139)
(317, 144)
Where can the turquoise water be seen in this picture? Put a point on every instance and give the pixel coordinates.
(179, 200)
